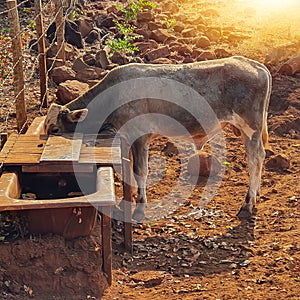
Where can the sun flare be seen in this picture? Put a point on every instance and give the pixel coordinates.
(272, 5)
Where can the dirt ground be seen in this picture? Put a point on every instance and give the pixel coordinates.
(192, 253)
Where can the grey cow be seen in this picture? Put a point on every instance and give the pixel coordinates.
(201, 98)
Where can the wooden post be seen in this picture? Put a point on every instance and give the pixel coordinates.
(127, 192)
(106, 241)
(15, 31)
(42, 52)
(60, 30)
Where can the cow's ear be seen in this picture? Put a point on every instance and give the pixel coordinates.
(78, 115)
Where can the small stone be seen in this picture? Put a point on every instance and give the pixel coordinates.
(279, 162)
(119, 58)
(157, 53)
(213, 35)
(102, 59)
(202, 42)
(89, 59)
(160, 35)
(222, 53)
(70, 89)
(189, 32)
(87, 74)
(79, 64)
(146, 46)
(61, 74)
(206, 55)
(92, 36)
(85, 26)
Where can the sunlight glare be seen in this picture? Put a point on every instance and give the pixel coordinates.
(272, 5)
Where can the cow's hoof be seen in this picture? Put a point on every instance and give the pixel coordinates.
(138, 216)
(244, 213)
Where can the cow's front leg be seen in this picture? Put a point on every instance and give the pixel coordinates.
(255, 154)
(140, 168)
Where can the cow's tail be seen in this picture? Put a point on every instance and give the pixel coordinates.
(265, 135)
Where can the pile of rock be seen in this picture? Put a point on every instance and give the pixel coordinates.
(164, 34)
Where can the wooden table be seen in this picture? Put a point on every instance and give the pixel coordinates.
(37, 153)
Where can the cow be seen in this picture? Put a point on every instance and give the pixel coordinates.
(236, 90)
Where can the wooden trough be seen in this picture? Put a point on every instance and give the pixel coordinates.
(62, 181)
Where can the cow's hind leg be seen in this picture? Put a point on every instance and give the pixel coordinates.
(255, 154)
(140, 168)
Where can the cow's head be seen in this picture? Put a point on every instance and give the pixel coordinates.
(60, 119)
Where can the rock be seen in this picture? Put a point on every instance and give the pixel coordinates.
(145, 16)
(162, 60)
(176, 58)
(199, 20)
(291, 67)
(161, 35)
(70, 90)
(189, 32)
(85, 26)
(206, 55)
(87, 74)
(170, 6)
(210, 12)
(163, 51)
(89, 59)
(79, 64)
(72, 35)
(70, 52)
(93, 36)
(187, 60)
(52, 50)
(196, 52)
(213, 35)
(238, 36)
(279, 162)
(181, 49)
(222, 53)
(201, 164)
(152, 26)
(178, 27)
(114, 9)
(93, 82)
(148, 278)
(119, 58)
(61, 74)
(54, 62)
(144, 32)
(201, 28)
(202, 42)
(106, 20)
(145, 46)
(102, 59)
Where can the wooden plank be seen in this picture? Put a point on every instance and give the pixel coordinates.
(63, 168)
(19, 159)
(101, 155)
(62, 148)
(37, 126)
(102, 139)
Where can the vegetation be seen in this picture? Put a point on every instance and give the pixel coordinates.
(132, 8)
(124, 44)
